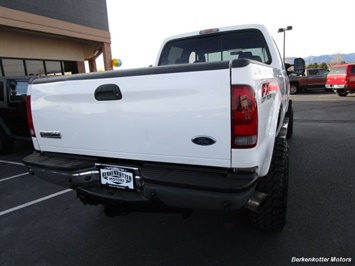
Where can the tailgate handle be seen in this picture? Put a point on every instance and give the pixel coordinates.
(108, 92)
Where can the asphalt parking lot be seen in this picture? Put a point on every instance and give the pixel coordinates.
(43, 224)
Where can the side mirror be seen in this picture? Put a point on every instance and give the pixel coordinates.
(299, 66)
(13, 86)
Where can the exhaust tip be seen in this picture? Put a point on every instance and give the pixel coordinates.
(255, 201)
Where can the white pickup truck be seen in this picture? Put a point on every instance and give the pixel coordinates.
(205, 128)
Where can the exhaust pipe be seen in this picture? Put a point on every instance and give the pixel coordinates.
(255, 201)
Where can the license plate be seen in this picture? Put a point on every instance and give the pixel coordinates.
(117, 176)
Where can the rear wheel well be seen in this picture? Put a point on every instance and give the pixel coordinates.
(279, 124)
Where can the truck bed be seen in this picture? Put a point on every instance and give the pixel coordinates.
(154, 114)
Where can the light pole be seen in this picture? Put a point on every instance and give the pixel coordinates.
(284, 31)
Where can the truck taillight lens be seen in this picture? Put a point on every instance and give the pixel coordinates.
(29, 116)
(244, 117)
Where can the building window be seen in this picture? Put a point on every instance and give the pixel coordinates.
(53, 68)
(70, 67)
(35, 67)
(13, 67)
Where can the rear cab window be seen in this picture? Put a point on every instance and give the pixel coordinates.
(313, 72)
(338, 70)
(323, 72)
(318, 72)
(214, 47)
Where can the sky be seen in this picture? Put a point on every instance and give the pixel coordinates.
(139, 27)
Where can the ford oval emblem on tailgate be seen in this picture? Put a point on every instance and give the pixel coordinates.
(203, 140)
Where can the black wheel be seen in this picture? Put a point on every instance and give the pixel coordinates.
(289, 114)
(5, 143)
(342, 93)
(272, 213)
(293, 88)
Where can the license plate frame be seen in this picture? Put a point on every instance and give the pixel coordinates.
(116, 176)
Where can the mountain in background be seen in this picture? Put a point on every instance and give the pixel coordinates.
(328, 58)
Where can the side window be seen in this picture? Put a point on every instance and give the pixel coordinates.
(313, 72)
(352, 70)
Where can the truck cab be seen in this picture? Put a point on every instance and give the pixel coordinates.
(13, 115)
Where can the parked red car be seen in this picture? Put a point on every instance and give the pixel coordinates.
(341, 79)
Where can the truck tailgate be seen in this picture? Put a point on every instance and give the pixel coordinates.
(336, 79)
(156, 119)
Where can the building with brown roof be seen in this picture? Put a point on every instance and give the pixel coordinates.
(57, 37)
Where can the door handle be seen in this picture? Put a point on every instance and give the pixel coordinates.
(108, 92)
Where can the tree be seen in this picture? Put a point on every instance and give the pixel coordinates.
(313, 65)
(337, 60)
(323, 65)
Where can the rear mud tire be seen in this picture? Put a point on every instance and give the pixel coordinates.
(272, 213)
(289, 114)
(342, 93)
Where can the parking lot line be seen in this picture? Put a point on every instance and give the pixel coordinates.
(34, 201)
(11, 177)
(9, 162)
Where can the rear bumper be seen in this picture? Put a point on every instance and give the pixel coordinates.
(156, 185)
(335, 86)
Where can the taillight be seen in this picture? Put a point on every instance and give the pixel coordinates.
(244, 117)
(29, 116)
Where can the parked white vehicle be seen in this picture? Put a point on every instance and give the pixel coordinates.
(204, 129)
